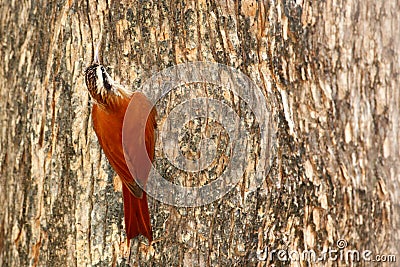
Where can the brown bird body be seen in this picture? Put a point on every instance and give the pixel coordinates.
(111, 103)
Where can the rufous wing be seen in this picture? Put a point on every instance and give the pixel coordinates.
(138, 137)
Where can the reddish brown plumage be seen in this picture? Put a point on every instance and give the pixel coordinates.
(108, 122)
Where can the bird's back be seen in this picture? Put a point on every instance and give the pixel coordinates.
(108, 125)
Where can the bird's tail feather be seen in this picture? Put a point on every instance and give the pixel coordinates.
(137, 217)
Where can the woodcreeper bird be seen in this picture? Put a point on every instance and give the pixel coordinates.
(111, 101)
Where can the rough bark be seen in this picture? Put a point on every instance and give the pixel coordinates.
(329, 69)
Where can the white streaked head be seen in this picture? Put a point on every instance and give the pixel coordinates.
(102, 87)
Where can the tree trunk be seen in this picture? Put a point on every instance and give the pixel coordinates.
(329, 71)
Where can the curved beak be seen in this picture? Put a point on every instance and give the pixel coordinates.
(96, 58)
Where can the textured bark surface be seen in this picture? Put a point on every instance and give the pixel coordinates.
(330, 71)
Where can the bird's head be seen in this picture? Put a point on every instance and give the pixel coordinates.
(103, 89)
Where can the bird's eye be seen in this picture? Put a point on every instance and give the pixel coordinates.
(104, 75)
